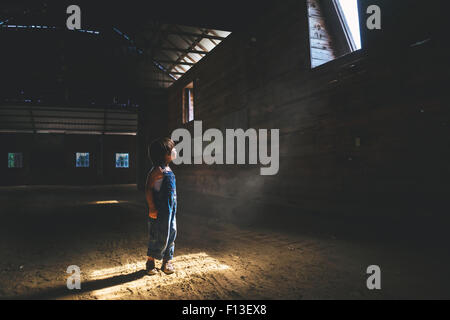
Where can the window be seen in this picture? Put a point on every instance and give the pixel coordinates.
(15, 160)
(188, 103)
(82, 159)
(122, 160)
(334, 29)
(348, 12)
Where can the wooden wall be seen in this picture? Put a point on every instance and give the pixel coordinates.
(366, 135)
(320, 39)
(50, 159)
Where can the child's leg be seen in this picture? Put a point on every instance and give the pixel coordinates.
(170, 249)
(157, 240)
(167, 266)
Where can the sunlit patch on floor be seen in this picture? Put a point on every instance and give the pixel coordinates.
(186, 265)
(104, 202)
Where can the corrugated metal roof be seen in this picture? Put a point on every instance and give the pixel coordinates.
(67, 120)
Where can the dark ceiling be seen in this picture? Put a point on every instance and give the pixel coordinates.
(229, 15)
(59, 65)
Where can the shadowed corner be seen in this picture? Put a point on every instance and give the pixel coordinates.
(88, 286)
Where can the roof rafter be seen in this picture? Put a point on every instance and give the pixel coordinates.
(185, 54)
(196, 35)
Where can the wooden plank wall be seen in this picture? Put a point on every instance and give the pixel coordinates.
(320, 39)
(364, 135)
(49, 159)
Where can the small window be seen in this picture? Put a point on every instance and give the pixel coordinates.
(348, 12)
(82, 159)
(122, 160)
(188, 103)
(15, 160)
(334, 29)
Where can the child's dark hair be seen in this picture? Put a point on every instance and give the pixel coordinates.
(159, 149)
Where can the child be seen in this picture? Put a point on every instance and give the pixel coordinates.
(161, 197)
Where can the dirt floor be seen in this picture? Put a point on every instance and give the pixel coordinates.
(46, 229)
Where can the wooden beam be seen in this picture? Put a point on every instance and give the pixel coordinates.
(173, 61)
(190, 41)
(69, 124)
(104, 120)
(84, 109)
(66, 117)
(184, 50)
(196, 35)
(32, 120)
(172, 72)
(165, 81)
(185, 54)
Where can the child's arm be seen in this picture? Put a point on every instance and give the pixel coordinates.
(155, 174)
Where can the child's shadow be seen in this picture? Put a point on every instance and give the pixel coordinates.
(62, 291)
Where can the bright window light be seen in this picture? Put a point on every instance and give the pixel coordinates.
(82, 159)
(350, 10)
(188, 103)
(122, 160)
(105, 202)
(15, 160)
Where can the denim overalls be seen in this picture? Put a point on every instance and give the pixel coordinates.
(163, 230)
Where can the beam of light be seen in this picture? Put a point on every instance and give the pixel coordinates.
(188, 266)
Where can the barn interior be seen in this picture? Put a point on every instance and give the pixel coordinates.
(364, 139)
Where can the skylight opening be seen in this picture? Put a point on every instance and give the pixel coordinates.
(350, 11)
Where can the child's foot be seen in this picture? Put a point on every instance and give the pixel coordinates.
(167, 267)
(150, 268)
